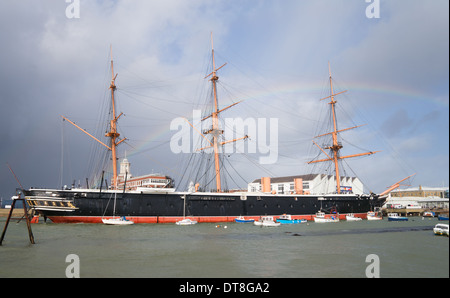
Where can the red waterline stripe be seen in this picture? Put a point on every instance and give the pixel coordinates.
(172, 219)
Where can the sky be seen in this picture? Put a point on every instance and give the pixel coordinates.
(391, 58)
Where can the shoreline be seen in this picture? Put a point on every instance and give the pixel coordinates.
(17, 212)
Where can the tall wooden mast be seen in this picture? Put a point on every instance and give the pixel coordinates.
(336, 146)
(112, 133)
(215, 131)
(215, 121)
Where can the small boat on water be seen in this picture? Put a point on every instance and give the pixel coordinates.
(287, 219)
(119, 221)
(186, 222)
(242, 219)
(443, 217)
(352, 217)
(267, 221)
(320, 217)
(396, 217)
(441, 230)
(429, 214)
(371, 215)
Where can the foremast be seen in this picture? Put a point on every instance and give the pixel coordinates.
(112, 133)
(336, 145)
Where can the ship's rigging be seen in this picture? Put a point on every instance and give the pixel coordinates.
(164, 205)
(212, 169)
(215, 140)
(213, 135)
(112, 132)
(334, 148)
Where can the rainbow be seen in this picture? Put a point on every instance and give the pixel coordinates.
(315, 90)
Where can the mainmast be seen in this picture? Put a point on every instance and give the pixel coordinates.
(215, 131)
(215, 121)
(336, 146)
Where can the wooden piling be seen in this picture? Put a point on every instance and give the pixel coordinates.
(25, 211)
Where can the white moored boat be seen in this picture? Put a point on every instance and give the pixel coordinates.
(320, 217)
(371, 215)
(119, 221)
(267, 221)
(352, 217)
(186, 222)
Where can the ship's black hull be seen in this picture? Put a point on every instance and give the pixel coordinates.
(83, 205)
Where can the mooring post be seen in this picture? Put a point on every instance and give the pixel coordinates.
(7, 221)
(25, 212)
(30, 233)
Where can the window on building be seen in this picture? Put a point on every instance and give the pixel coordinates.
(280, 188)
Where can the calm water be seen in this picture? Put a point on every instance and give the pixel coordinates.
(405, 249)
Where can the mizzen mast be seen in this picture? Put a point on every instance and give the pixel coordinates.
(336, 146)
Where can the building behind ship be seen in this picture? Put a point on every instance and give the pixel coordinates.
(314, 184)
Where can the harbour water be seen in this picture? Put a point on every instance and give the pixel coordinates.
(232, 250)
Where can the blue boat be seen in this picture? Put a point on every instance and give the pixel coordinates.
(396, 217)
(443, 217)
(287, 219)
(242, 219)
